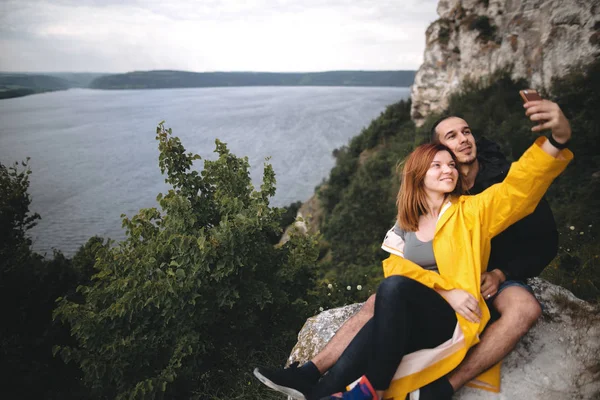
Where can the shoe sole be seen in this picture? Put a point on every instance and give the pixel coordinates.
(283, 389)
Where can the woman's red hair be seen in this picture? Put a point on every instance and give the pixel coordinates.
(412, 198)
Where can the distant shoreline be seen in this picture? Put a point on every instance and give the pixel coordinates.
(14, 85)
(182, 79)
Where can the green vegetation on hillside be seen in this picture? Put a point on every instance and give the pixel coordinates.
(183, 79)
(29, 286)
(197, 293)
(188, 283)
(359, 196)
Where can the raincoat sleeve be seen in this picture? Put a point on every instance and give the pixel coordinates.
(396, 264)
(517, 196)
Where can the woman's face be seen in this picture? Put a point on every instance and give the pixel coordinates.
(442, 174)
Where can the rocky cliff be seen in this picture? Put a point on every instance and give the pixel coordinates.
(536, 39)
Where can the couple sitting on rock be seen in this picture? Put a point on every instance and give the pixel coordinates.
(448, 311)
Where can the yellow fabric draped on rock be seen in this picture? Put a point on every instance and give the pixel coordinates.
(461, 245)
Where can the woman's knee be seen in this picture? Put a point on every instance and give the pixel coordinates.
(395, 285)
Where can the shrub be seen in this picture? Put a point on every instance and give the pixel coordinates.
(29, 286)
(181, 305)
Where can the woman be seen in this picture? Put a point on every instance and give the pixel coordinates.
(417, 307)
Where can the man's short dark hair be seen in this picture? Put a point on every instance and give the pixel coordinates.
(433, 136)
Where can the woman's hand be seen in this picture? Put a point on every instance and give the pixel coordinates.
(463, 302)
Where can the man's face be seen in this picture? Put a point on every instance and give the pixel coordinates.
(455, 134)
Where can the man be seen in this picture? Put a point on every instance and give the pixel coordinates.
(520, 252)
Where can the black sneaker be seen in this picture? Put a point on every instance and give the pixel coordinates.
(292, 381)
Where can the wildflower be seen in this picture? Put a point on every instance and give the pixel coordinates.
(328, 294)
(358, 287)
(321, 309)
(572, 228)
(330, 286)
(348, 287)
(581, 233)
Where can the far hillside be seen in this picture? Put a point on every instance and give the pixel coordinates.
(16, 85)
(77, 79)
(23, 84)
(183, 79)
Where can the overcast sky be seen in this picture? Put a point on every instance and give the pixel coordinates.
(211, 35)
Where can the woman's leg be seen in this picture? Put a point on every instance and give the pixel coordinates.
(351, 365)
(408, 316)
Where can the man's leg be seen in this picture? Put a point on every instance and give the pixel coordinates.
(338, 343)
(297, 381)
(519, 310)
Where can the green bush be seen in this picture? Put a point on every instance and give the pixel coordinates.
(360, 197)
(179, 308)
(15, 218)
(29, 286)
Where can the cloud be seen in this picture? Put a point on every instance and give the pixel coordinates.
(227, 35)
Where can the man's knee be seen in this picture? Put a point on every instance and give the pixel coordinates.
(518, 308)
(368, 307)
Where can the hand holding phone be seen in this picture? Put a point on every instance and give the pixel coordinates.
(547, 115)
(529, 95)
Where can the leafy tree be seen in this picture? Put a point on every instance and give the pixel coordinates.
(15, 217)
(180, 305)
(29, 286)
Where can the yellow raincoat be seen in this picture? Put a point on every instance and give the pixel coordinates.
(461, 245)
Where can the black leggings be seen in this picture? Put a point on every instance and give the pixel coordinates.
(408, 316)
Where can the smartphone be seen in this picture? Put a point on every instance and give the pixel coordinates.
(529, 95)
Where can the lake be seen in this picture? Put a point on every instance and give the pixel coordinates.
(94, 155)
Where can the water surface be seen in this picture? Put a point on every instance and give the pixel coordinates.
(94, 155)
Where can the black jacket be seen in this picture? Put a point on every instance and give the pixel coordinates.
(524, 249)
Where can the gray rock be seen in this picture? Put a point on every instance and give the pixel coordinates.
(538, 39)
(558, 359)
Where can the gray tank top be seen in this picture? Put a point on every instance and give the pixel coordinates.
(421, 253)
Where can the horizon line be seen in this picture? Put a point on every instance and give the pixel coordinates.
(208, 72)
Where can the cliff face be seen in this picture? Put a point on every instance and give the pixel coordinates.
(537, 39)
